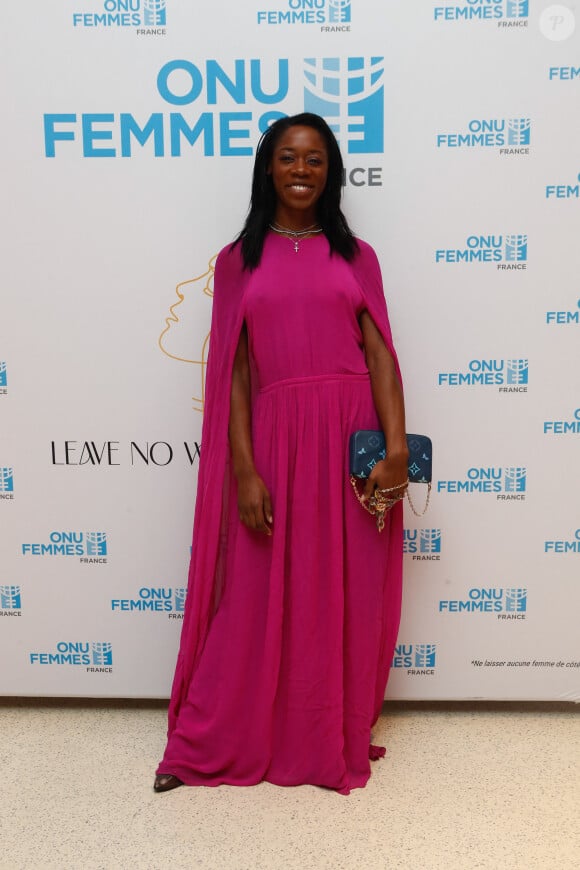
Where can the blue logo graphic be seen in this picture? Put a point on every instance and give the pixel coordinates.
(508, 251)
(423, 544)
(510, 135)
(3, 374)
(154, 13)
(430, 541)
(425, 655)
(564, 546)
(564, 73)
(96, 543)
(6, 480)
(349, 94)
(102, 653)
(517, 371)
(413, 656)
(153, 600)
(91, 546)
(167, 134)
(10, 598)
(339, 11)
(180, 596)
(516, 248)
(517, 9)
(564, 191)
(335, 14)
(563, 427)
(519, 131)
(561, 318)
(515, 479)
(94, 656)
(124, 13)
(498, 601)
(511, 375)
(509, 484)
(516, 600)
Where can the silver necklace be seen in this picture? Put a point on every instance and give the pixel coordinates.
(295, 235)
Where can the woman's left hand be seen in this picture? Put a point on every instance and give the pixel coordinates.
(386, 474)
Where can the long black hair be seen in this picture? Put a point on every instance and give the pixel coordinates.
(263, 198)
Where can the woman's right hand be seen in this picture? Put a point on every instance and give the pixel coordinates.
(254, 503)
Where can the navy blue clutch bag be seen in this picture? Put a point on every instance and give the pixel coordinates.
(367, 447)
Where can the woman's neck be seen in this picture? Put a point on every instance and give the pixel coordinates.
(295, 221)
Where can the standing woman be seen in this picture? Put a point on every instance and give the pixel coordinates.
(294, 597)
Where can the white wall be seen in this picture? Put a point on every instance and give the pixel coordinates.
(106, 299)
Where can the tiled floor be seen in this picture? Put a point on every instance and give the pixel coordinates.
(463, 786)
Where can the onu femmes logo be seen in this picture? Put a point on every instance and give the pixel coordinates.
(222, 109)
(418, 658)
(10, 598)
(3, 374)
(154, 13)
(87, 544)
(515, 479)
(508, 251)
(430, 541)
(512, 600)
(488, 372)
(510, 135)
(564, 73)
(563, 427)
(505, 12)
(76, 654)
(6, 480)
(339, 11)
(507, 483)
(332, 12)
(153, 600)
(422, 543)
(349, 94)
(564, 547)
(564, 191)
(124, 13)
(564, 318)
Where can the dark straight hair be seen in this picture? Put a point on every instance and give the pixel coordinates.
(263, 198)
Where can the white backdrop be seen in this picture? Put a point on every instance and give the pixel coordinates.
(127, 147)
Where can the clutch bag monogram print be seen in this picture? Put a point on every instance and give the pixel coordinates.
(367, 447)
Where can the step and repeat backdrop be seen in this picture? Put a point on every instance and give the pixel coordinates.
(128, 141)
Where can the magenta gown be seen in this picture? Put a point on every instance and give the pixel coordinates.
(292, 663)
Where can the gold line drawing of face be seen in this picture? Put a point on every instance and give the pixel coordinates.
(190, 327)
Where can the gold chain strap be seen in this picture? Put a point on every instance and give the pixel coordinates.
(424, 511)
(378, 505)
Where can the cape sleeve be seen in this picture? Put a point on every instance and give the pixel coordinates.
(368, 274)
(214, 477)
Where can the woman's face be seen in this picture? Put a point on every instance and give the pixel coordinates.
(299, 169)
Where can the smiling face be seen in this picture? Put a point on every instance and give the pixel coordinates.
(299, 169)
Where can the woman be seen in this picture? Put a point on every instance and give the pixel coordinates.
(294, 598)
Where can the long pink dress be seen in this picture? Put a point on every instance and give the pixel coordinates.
(285, 651)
